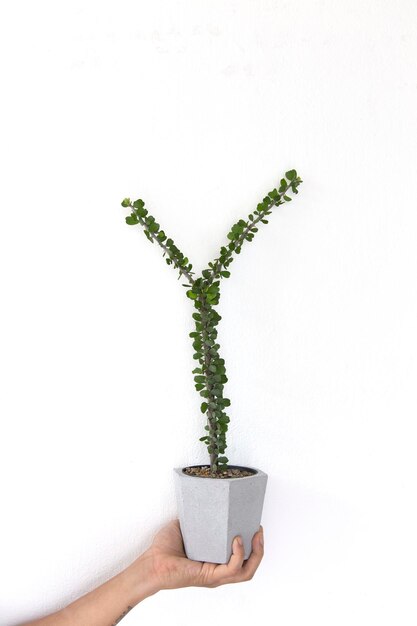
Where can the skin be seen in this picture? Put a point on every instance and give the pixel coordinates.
(163, 565)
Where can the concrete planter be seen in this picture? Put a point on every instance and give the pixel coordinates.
(212, 511)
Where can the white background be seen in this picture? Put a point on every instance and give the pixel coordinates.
(199, 108)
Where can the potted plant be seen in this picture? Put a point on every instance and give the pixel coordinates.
(216, 501)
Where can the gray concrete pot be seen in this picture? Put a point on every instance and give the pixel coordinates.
(212, 511)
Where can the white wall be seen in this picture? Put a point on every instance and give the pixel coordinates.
(199, 108)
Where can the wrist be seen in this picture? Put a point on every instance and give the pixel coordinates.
(139, 579)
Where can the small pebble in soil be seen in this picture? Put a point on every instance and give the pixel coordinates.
(228, 472)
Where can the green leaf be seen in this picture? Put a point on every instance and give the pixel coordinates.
(204, 407)
(138, 204)
(291, 174)
(225, 274)
(191, 294)
(153, 227)
(200, 379)
(222, 460)
(132, 220)
(213, 368)
(287, 198)
(126, 202)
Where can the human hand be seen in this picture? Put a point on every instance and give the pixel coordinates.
(163, 566)
(168, 565)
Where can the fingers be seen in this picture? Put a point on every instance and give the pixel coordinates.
(236, 560)
(252, 564)
(228, 572)
(237, 570)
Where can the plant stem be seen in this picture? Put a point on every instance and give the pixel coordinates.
(210, 376)
(217, 266)
(205, 308)
(167, 251)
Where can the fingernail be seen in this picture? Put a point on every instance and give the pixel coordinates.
(261, 538)
(239, 540)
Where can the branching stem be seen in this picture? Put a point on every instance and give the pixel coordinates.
(210, 375)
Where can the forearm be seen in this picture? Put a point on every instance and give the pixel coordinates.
(108, 604)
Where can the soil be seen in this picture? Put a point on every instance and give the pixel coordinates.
(204, 472)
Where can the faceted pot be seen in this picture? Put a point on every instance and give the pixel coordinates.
(212, 511)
